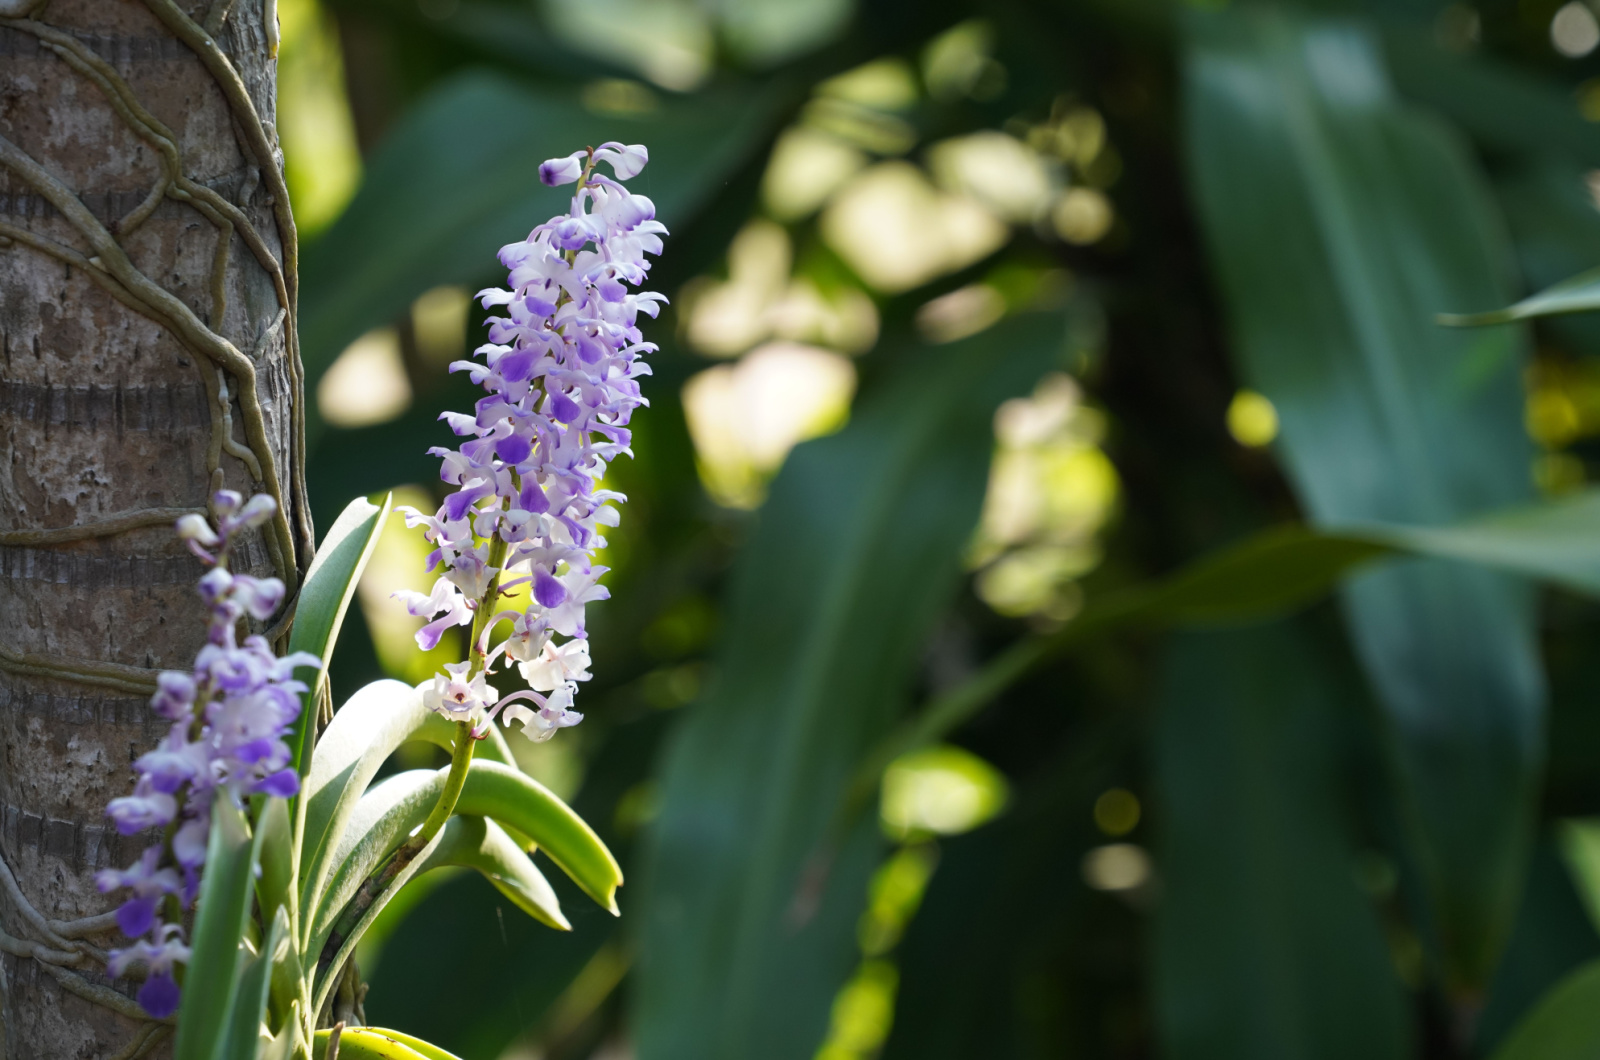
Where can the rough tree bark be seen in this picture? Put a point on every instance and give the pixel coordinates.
(147, 355)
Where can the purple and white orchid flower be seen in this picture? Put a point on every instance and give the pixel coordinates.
(561, 370)
(228, 720)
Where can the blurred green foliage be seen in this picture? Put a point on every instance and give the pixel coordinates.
(1082, 294)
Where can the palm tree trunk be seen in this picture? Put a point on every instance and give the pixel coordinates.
(147, 357)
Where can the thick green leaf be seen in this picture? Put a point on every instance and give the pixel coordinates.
(494, 950)
(1564, 1026)
(1264, 946)
(480, 844)
(327, 973)
(517, 800)
(368, 1043)
(285, 1044)
(380, 823)
(457, 178)
(250, 1007)
(1341, 222)
(363, 733)
(416, 1045)
(324, 597)
(211, 980)
(750, 924)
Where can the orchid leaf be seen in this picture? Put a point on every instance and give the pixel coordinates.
(284, 1045)
(363, 733)
(1578, 294)
(1565, 1025)
(328, 973)
(428, 1050)
(320, 607)
(1269, 574)
(212, 980)
(481, 844)
(368, 1043)
(500, 792)
(382, 820)
(250, 1006)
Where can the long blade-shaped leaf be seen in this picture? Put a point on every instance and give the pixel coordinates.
(382, 820)
(212, 978)
(329, 971)
(364, 732)
(1341, 222)
(324, 597)
(1265, 948)
(857, 552)
(1271, 574)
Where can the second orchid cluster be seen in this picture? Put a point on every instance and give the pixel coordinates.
(227, 719)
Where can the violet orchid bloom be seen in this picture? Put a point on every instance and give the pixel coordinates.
(562, 369)
(229, 717)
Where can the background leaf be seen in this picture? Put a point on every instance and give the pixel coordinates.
(1564, 1026)
(1340, 221)
(1264, 945)
(749, 924)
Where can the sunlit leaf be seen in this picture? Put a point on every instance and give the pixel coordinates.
(481, 844)
(325, 595)
(363, 733)
(382, 820)
(501, 792)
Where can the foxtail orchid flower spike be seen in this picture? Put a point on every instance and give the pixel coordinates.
(561, 370)
(228, 718)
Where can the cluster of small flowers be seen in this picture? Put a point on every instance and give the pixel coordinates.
(561, 370)
(228, 719)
